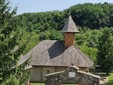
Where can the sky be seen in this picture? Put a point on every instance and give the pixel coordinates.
(25, 6)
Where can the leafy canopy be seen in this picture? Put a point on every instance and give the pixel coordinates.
(10, 49)
(105, 51)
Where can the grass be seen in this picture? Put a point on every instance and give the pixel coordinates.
(69, 84)
(110, 79)
(37, 84)
(44, 84)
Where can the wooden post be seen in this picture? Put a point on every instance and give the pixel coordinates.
(78, 83)
(28, 83)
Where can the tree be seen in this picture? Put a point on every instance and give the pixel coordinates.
(105, 51)
(91, 15)
(10, 49)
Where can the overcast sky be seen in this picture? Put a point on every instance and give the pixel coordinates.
(48, 5)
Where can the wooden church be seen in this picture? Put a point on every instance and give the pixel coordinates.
(53, 55)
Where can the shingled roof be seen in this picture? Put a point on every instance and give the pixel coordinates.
(70, 26)
(54, 53)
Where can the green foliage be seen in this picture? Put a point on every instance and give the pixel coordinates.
(56, 35)
(41, 21)
(92, 15)
(10, 49)
(91, 52)
(12, 81)
(110, 79)
(46, 25)
(18, 34)
(88, 41)
(105, 51)
(26, 30)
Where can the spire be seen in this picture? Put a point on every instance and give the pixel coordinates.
(69, 31)
(70, 26)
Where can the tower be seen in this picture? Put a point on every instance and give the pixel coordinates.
(69, 31)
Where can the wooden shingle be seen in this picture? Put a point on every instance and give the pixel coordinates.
(54, 53)
(70, 26)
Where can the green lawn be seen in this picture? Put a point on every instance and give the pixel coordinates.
(37, 84)
(43, 84)
(110, 79)
(69, 84)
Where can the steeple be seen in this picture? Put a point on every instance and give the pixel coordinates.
(70, 26)
(69, 31)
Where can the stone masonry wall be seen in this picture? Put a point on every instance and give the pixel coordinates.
(80, 77)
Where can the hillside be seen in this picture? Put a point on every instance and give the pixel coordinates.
(91, 20)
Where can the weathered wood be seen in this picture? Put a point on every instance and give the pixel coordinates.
(70, 26)
(69, 39)
(54, 53)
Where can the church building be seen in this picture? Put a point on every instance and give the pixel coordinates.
(50, 56)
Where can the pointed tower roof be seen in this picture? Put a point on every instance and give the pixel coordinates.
(70, 26)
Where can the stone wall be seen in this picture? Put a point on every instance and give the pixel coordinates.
(38, 73)
(47, 70)
(71, 75)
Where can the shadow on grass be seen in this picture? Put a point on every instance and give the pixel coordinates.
(109, 83)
